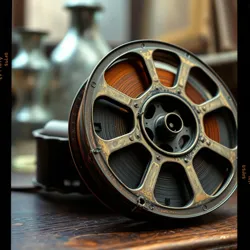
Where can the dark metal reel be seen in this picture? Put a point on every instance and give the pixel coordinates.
(125, 170)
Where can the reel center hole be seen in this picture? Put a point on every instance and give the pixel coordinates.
(174, 123)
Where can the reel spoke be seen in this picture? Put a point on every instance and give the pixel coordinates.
(228, 153)
(147, 56)
(112, 93)
(213, 104)
(183, 73)
(110, 146)
(199, 193)
(148, 185)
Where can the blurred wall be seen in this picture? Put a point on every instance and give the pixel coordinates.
(163, 16)
(48, 15)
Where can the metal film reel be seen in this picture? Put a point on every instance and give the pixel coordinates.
(153, 133)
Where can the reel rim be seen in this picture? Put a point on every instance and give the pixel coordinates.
(92, 158)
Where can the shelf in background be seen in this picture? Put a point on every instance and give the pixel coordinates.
(225, 65)
(220, 58)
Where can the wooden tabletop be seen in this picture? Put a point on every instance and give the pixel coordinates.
(54, 221)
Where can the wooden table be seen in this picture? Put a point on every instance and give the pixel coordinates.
(54, 221)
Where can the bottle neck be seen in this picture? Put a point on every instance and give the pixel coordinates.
(31, 43)
(83, 21)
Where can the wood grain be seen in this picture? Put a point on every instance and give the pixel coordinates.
(55, 221)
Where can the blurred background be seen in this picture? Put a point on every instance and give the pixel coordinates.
(56, 44)
(206, 27)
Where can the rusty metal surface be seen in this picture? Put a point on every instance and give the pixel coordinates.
(87, 146)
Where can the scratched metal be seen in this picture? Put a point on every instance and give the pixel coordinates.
(97, 151)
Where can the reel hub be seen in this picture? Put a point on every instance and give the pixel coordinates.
(169, 124)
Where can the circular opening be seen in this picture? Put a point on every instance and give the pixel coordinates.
(174, 132)
(150, 112)
(150, 133)
(174, 122)
(141, 201)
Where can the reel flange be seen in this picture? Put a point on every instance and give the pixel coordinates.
(153, 133)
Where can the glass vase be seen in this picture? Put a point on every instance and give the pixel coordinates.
(76, 55)
(30, 79)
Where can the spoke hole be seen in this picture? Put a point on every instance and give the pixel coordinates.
(130, 163)
(220, 126)
(150, 133)
(111, 120)
(199, 82)
(150, 112)
(129, 75)
(166, 63)
(184, 141)
(211, 170)
(168, 107)
(172, 186)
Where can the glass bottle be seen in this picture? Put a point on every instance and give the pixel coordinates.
(30, 79)
(76, 55)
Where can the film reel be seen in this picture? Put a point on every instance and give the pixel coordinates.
(153, 133)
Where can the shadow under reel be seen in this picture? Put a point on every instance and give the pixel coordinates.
(153, 131)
